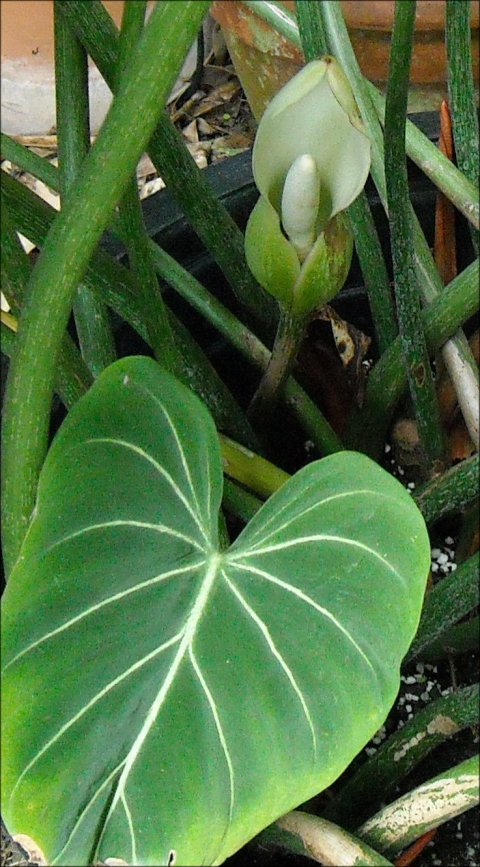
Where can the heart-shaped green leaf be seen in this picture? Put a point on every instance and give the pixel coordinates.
(162, 695)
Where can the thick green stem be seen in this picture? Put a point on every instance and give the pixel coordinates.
(452, 598)
(319, 840)
(424, 808)
(461, 92)
(239, 502)
(250, 469)
(458, 639)
(290, 333)
(211, 221)
(414, 348)
(72, 376)
(450, 492)
(71, 241)
(457, 188)
(134, 235)
(73, 136)
(310, 26)
(374, 272)
(380, 774)
(386, 381)
(28, 161)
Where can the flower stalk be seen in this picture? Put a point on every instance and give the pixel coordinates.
(298, 243)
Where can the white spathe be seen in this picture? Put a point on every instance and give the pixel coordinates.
(315, 113)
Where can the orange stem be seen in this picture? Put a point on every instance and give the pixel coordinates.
(413, 851)
(445, 245)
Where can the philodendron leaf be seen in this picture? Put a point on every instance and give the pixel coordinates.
(165, 699)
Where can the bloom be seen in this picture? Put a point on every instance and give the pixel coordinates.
(311, 159)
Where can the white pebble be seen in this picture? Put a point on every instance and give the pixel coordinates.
(448, 540)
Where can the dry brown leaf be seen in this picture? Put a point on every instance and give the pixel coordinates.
(190, 132)
(352, 347)
(217, 97)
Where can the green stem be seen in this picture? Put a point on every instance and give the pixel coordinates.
(211, 221)
(321, 841)
(386, 381)
(458, 639)
(461, 92)
(73, 142)
(457, 188)
(71, 241)
(380, 774)
(310, 27)
(72, 376)
(414, 348)
(250, 469)
(28, 161)
(450, 492)
(134, 234)
(374, 272)
(239, 502)
(452, 598)
(289, 336)
(440, 799)
(367, 243)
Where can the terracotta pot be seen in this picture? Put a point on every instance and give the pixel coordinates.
(28, 79)
(265, 60)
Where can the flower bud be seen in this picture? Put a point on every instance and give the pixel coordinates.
(310, 160)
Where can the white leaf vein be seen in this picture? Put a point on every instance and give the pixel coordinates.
(130, 829)
(221, 735)
(162, 472)
(93, 701)
(126, 522)
(85, 810)
(290, 588)
(278, 656)
(180, 449)
(122, 594)
(289, 505)
(187, 638)
(318, 537)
